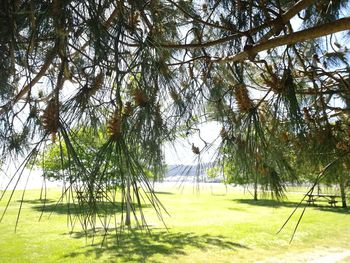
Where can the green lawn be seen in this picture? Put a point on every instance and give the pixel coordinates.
(210, 226)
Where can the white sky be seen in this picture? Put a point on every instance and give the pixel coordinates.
(181, 151)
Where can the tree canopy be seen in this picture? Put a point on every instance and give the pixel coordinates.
(273, 73)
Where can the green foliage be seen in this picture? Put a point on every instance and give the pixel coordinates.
(143, 72)
(56, 162)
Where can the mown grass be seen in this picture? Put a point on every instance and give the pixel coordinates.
(213, 225)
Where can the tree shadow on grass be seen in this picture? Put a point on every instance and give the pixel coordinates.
(162, 193)
(37, 201)
(277, 204)
(75, 209)
(339, 210)
(140, 246)
(267, 202)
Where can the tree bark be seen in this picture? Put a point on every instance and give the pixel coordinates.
(256, 188)
(300, 36)
(342, 190)
(128, 204)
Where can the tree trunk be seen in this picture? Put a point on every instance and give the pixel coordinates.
(128, 205)
(342, 190)
(256, 188)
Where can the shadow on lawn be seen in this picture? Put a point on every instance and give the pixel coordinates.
(162, 193)
(267, 202)
(276, 204)
(139, 246)
(75, 209)
(338, 209)
(37, 201)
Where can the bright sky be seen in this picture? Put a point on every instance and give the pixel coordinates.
(181, 151)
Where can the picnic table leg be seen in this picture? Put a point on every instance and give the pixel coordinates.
(311, 200)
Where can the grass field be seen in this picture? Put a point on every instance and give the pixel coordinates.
(212, 225)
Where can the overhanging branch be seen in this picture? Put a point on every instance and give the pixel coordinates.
(285, 17)
(307, 34)
(49, 59)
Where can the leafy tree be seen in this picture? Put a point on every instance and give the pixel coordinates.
(68, 64)
(55, 160)
(55, 163)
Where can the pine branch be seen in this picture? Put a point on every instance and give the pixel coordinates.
(284, 19)
(49, 59)
(202, 45)
(197, 19)
(307, 34)
(299, 6)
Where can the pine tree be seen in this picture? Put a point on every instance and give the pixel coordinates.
(141, 71)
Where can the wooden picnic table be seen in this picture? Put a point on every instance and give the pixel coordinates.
(330, 198)
(83, 195)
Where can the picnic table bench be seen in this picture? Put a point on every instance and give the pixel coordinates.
(330, 198)
(83, 196)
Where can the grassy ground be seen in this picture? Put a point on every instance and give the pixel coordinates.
(210, 226)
